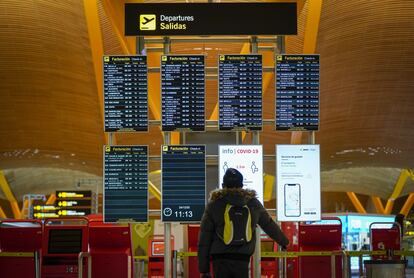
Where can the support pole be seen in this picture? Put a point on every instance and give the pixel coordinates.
(167, 232)
(355, 201)
(281, 262)
(174, 266)
(110, 138)
(167, 226)
(140, 46)
(166, 45)
(281, 44)
(183, 137)
(360, 266)
(37, 264)
(257, 250)
(8, 193)
(254, 47)
(311, 138)
(110, 143)
(167, 250)
(408, 204)
(345, 265)
(2, 214)
(333, 266)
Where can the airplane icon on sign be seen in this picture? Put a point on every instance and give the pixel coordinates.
(147, 22)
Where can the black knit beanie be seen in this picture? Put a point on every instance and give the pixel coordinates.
(232, 179)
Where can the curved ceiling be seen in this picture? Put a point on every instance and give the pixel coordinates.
(49, 103)
(50, 112)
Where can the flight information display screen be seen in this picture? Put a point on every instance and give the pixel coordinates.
(182, 92)
(297, 92)
(126, 184)
(183, 183)
(125, 93)
(240, 92)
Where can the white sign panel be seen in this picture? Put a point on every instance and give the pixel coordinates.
(248, 160)
(298, 183)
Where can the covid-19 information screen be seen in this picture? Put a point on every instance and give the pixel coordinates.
(125, 184)
(240, 92)
(182, 92)
(183, 183)
(125, 90)
(297, 92)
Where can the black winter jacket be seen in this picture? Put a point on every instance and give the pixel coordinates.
(210, 243)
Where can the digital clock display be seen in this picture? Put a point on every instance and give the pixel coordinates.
(183, 213)
(183, 183)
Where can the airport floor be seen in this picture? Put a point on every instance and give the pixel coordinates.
(409, 273)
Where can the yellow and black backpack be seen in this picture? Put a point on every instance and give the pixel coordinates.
(237, 225)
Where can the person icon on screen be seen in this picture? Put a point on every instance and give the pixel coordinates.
(254, 167)
(225, 166)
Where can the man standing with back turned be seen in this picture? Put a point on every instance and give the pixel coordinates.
(227, 232)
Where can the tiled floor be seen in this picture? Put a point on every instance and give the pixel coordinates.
(409, 273)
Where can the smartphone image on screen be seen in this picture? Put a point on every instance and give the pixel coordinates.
(292, 200)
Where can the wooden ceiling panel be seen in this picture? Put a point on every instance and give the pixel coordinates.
(153, 139)
(111, 44)
(367, 64)
(294, 44)
(49, 98)
(211, 97)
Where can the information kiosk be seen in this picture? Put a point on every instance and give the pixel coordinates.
(193, 232)
(110, 250)
(319, 237)
(63, 240)
(156, 256)
(20, 247)
(291, 230)
(385, 236)
(269, 266)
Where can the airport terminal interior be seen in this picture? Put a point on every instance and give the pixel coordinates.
(118, 118)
